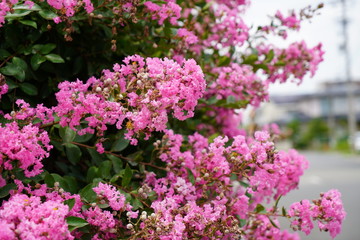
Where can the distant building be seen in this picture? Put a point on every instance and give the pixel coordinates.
(330, 101)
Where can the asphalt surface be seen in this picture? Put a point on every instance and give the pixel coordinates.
(327, 171)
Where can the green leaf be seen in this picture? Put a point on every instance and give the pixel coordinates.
(10, 69)
(117, 162)
(87, 193)
(190, 176)
(43, 48)
(73, 153)
(117, 176)
(104, 169)
(11, 84)
(16, 68)
(52, 57)
(260, 209)
(224, 61)
(35, 7)
(20, 63)
(212, 137)
(29, 23)
(29, 89)
(36, 61)
(67, 134)
(207, 6)
(277, 203)
(230, 99)
(231, 103)
(269, 56)
(127, 176)
(71, 183)
(75, 222)
(4, 54)
(83, 138)
(283, 210)
(136, 204)
(70, 202)
(93, 172)
(280, 64)
(250, 59)
(68, 186)
(135, 157)
(17, 14)
(47, 14)
(120, 144)
(49, 180)
(242, 222)
(96, 158)
(272, 222)
(4, 191)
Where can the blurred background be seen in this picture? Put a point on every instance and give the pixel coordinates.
(321, 117)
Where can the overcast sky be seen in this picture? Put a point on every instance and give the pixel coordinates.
(324, 28)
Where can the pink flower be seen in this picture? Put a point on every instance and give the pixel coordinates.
(112, 195)
(30, 218)
(3, 88)
(328, 211)
(188, 36)
(57, 20)
(25, 146)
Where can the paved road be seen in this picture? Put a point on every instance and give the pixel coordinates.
(328, 171)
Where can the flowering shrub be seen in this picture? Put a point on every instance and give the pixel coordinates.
(149, 146)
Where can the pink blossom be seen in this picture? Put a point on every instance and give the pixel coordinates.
(3, 88)
(169, 10)
(112, 195)
(26, 147)
(32, 219)
(228, 30)
(188, 36)
(292, 63)
(57, 20)
(328, 211)
(240, 82)
(100, 218)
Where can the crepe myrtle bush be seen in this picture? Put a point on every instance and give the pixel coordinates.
(121, 120)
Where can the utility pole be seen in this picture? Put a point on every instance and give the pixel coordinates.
(351, 116)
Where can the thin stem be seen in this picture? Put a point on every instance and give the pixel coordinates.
(154, 166)
(49, 124)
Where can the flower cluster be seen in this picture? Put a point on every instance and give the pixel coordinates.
(72, 6)
(172, 220)
(261, 228)
(293, 62)
(104, 220)
(226, 120)
(281, 24)
(24, 147)
(141, 91)
(188, 37)
(113, 197)
(206, 170)
(66, 7)
(169, 10)
(229, 30)
(328, 211)
(27, 217)
(28, 114)
(240, 82)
